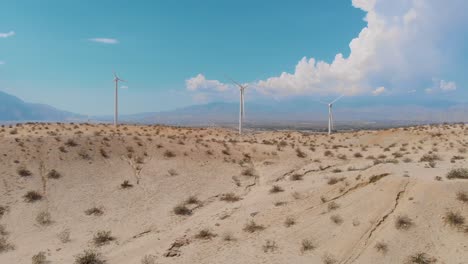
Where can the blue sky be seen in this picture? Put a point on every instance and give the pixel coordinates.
(159, 46)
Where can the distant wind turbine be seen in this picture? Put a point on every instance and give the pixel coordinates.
(331, 126)
(116, 103)
(241, 104)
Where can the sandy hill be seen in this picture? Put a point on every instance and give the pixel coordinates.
(78, 193)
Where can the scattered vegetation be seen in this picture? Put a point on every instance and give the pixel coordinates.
(23, 172)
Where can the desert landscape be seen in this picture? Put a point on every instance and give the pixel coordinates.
(95, 193)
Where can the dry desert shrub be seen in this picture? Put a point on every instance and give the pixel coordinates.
(169, 154)
(333, 206)
(44, 218)
(96, 211)
(64, 236)
(102, 238)
(420, 258)
(300, 153)
(290, 221)
(39, 258)
(182, 209)
(429, 158)
(32, 196)
(53, 174)
(248, 172)
(5, 245)
(276, 189)
(148, 259)
(228, 237)
(329, 259)
(458, 173)
(205, 234)
(126, 184)
(296, 177)
(192, 200)
(336, 219)
(333, 180)
(403, 222)
(455, 219)
(381, 247)
(89, 257)
(461, 196)
(252, 227)
(270, 246)
(230, 197)
(307, 245)
(24, 172)
(71, 143)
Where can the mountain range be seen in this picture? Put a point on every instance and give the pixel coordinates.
(365, 110)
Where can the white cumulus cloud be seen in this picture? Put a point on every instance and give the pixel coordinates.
(200, 83)
(104, 40)
(7, 35)
(447, 86)
(401, 46)
(380, 90)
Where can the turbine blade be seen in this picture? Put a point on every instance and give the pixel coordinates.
(232, 80)
(338, 98)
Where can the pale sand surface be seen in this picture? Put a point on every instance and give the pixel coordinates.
(208, 163)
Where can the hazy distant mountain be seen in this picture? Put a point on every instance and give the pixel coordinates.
(14, 109)
(305, 110)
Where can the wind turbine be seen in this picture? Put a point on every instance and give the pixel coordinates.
(330, 113)
(241, 104)
(116, 102)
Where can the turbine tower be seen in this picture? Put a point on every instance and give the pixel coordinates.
(116, 102)
(331, 126)
(241, 104)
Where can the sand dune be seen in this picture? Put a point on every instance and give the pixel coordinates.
(155, 194)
